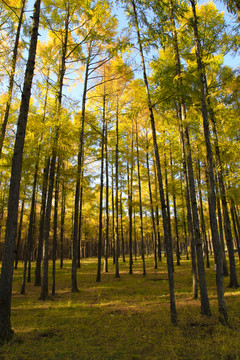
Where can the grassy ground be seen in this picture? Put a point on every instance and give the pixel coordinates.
(126, 318)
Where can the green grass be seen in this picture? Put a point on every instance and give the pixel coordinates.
(126, 318)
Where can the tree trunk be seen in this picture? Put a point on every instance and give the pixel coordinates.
(152, 210)
(161, 191)
(117, 275)
(220, 226)
(212, 195)
(122, 236)
(140, 204)
(6, 331)
(227, 224)
(42, 224)
(100, 229)
(19, 235)
(107, 201)
(30, 228)
(203, 228)
(79, 171)
(130, 224)
(63, 210)
(175, 211)
(55, 226)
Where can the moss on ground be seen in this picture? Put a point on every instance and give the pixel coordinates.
(126, 318)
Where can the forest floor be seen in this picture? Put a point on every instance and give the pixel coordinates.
(125, 318)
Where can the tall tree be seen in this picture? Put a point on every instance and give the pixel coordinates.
(212, 194)
(159, 173)
(6, 331)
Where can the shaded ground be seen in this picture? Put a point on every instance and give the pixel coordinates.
(126, 318)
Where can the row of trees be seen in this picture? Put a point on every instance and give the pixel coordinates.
(135, 165)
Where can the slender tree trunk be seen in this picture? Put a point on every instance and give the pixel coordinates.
(161, 191)
(192, 216)
(6, 331)
(63, 210)
(202, 215)
(175, 211)
(30, 227)
(44, 288)
(116, 200)
(107, 201)
(212, 195)
(41, 226)
(101, 199)
(140, 204)
(227, 224)
(130, 224)
(234, 221)
(19, 234)
(152, 211)
(135, 233)
(122, 236)
(79, 171)
(113, 215)
(55, 226)
(157, 214)
(220, 226)
(11, 78)
(80, 225)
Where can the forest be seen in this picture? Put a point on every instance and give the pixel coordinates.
(119, 163)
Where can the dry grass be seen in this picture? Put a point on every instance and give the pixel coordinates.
(126, 318)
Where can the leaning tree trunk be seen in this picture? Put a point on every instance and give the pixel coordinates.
(6, 331)
(212, 195)
(160, 182)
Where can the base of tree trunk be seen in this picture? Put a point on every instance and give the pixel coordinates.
(6, 333)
